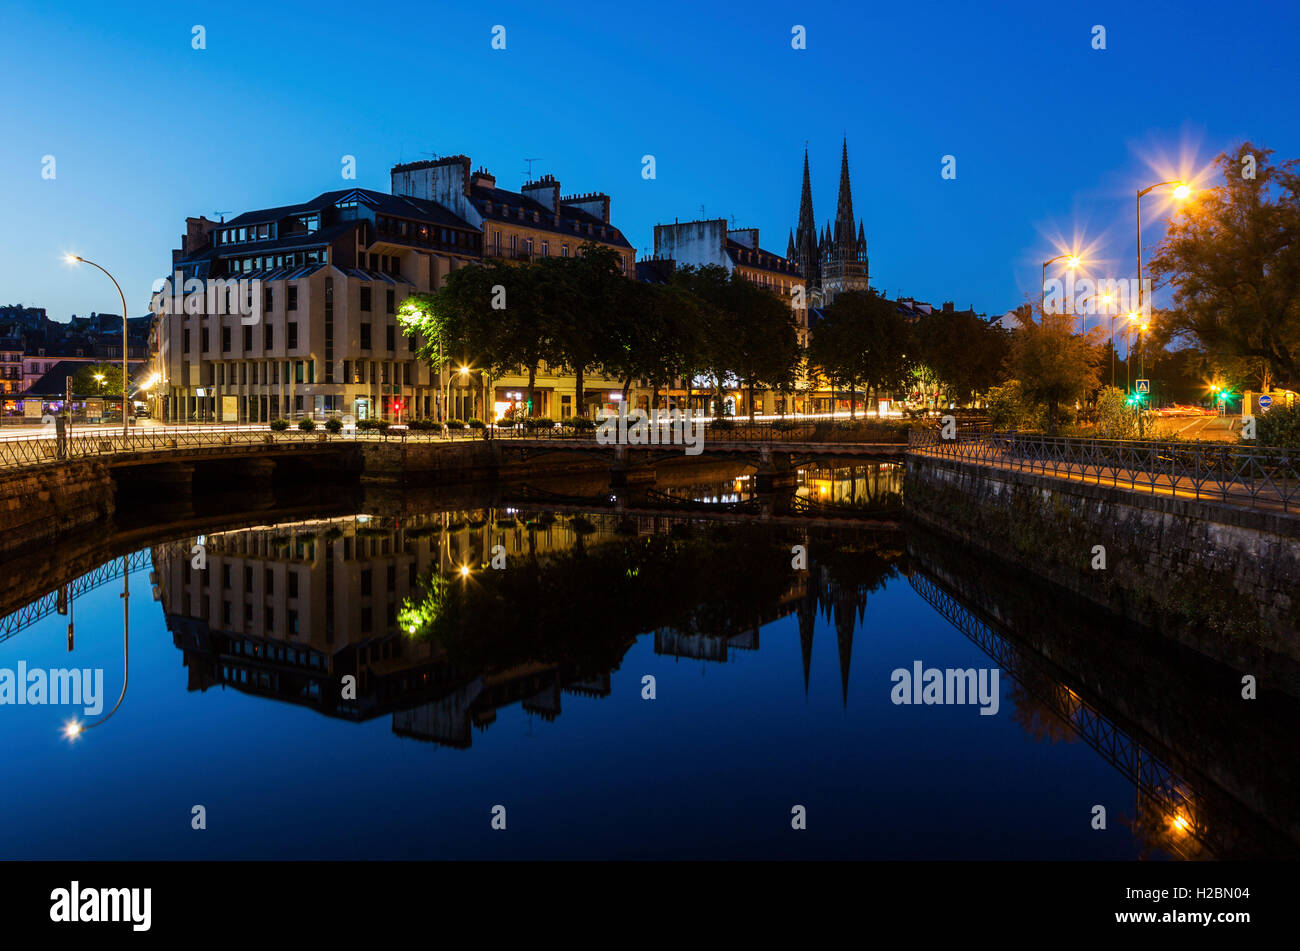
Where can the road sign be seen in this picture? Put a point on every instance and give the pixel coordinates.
(1265, 401)
(1144, 386)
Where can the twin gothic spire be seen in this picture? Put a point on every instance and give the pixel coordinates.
(838, 242)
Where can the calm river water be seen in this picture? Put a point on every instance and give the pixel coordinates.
(686, 671)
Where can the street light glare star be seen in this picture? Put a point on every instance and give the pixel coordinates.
(1183, 192)
(464, 571)
(1073, 261)
(72, 729)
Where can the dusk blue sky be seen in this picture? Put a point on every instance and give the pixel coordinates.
(1051, 137)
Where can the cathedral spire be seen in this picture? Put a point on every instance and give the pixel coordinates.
(844, 206)
(806, 253)
(806, 220)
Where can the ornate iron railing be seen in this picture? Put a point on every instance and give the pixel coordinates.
(1260, 477)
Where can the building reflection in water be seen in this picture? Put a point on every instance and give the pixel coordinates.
(289, 611)
(867, 487)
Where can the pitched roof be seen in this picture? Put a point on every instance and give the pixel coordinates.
(481, 195)
(381, 202)
(761, 259)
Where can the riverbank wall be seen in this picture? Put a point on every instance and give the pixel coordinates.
(1219, 578)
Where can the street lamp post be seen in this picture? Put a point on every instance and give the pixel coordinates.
(464, 372)
(1181, 191)
(74, 729)
(1072, 261)
(125, 376)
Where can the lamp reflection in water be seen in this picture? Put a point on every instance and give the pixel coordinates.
(75, 728)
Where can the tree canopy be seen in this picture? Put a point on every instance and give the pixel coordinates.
(85, 384)
(1232, 257)
(1053, 365)
(862, 339)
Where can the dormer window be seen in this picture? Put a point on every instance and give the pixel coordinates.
(487, 206)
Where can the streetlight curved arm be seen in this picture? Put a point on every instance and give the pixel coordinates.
(75, 729)
(1074, 262)
(125, 375)
(126, 673)
(1150, 188)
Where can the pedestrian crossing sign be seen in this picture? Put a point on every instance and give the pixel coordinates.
(1144, 386)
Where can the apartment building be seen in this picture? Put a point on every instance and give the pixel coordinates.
(331, 273)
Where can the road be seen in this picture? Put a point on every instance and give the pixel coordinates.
(1207, 427)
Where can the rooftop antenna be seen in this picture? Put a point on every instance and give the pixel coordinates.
(733, 222)
(432, 155)
(223, 216)
(701, 211)
(530, 162)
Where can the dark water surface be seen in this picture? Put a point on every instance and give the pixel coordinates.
(523, 687)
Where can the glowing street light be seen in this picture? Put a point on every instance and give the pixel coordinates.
(77, 259)
(1071, 260)
(1182, 191)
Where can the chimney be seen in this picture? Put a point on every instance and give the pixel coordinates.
(445, 181)
(595, 204)
(483, 177)
(545, 191)
(196, 233)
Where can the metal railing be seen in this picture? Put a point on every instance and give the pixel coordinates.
(738, 429)
(1260, 477)
(46, 447)
(27, 452)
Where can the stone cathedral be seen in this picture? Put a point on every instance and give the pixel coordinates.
(836, 259)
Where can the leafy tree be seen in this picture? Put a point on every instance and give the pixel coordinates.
(1280, 426)
(709, 289)
(519, 333)
(1053, 365)
(759, 338)
(862, 339)
(583, 296)
(965, 353)
(1116, 418)
(1232, 257)
(1008, 408)
(85, 384)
